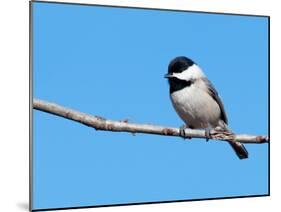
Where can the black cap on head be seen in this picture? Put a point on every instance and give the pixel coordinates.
(179, 64)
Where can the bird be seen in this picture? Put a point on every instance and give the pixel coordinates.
(196, 100)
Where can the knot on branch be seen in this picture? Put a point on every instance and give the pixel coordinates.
(262, 139)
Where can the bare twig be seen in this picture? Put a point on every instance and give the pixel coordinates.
(100, 123)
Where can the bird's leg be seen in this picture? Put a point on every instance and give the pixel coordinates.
(208, 133)
(182, 132)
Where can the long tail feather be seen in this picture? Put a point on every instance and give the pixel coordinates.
(239, 149)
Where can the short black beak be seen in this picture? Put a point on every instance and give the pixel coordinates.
(168, 76)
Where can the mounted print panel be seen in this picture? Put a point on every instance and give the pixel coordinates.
(110, 62)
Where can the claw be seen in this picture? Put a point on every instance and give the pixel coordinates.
(208, 134)
(182, 132)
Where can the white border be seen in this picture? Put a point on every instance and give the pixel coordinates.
(14, 107)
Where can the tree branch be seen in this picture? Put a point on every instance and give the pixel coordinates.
(100, 123)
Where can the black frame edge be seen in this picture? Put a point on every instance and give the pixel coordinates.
(148, 8)
(268, 60)
(149, 203)
(30, 105)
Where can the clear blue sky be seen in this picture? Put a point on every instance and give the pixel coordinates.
(110, 62)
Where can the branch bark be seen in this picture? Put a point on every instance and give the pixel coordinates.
(100, 123)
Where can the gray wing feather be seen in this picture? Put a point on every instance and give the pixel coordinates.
(239, 148)
(212, 91)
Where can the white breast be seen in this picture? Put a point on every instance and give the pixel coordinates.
(196, 107)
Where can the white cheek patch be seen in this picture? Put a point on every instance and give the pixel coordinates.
(193, 72)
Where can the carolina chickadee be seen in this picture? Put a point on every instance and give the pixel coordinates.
(196, 100)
